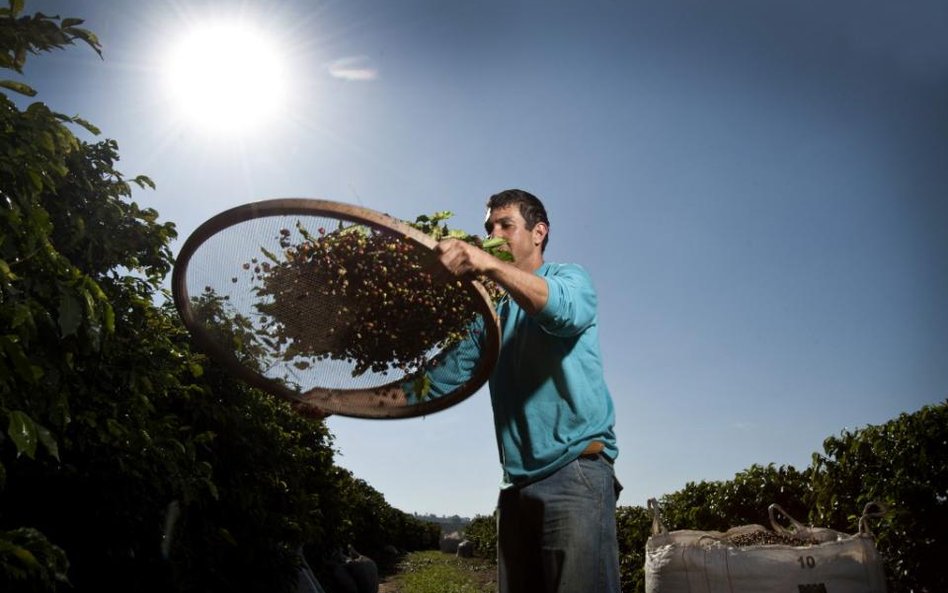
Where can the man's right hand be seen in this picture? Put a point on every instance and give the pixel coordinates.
(460, 258)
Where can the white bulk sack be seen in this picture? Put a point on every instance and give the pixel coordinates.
(689, 561)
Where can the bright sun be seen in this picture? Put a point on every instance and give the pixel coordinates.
(226, 78)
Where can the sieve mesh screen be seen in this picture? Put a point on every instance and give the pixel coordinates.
(332, 305)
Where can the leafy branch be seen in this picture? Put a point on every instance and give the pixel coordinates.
(34, 34)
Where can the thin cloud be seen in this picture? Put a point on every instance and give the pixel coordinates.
(357, 68)
(744, 426)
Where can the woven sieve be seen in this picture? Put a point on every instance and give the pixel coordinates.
(255, 298)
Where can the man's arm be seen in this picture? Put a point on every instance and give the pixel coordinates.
(449, 370)
(526, 288)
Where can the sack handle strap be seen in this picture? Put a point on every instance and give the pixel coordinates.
(657, 526)
(775, 508)
(867, 512)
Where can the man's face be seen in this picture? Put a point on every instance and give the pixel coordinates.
(524, 244)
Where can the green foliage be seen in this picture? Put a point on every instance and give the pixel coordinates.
(437, 228)
(75, 395)
(268, 489)
(52, 315)
(31, 562)
(124, 455)
(436, 572)
(482, 532)
(902, 464)
(744, 500)
(33, 34)
(633, 526)
(371, 523)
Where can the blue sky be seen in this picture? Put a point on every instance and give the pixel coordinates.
(757, 188)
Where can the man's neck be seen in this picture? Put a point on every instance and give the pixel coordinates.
(532, 264)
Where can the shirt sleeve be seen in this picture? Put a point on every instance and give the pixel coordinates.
(571, 302)
(451, 368)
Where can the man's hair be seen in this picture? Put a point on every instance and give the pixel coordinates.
(531, 208)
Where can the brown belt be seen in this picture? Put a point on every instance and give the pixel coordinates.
(593, 450)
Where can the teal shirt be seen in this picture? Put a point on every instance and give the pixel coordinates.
(547, 389)
(548, 392)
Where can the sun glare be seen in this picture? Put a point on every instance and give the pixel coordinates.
(226, 79)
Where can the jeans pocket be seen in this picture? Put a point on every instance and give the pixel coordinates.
(598, 471)
(585, 477)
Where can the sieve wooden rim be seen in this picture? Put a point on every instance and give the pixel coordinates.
(385, 399)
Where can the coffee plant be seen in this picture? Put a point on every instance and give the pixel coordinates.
(633, 526)
(128, 460)
(902, 464)
(482, 532)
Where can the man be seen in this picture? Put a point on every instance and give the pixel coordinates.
(553, 413)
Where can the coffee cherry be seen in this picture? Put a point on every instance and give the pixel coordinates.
(361, 296)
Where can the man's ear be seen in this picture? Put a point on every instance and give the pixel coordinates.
(539, 232)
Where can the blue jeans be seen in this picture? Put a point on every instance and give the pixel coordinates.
(558, 534)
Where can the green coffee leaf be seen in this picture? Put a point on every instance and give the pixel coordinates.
(18, 87)
(48, 440)
(94, 131)
(144, 180)
(422, 386)
(493, 242)
(270, 255)
(70, 314)
(23, 433)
